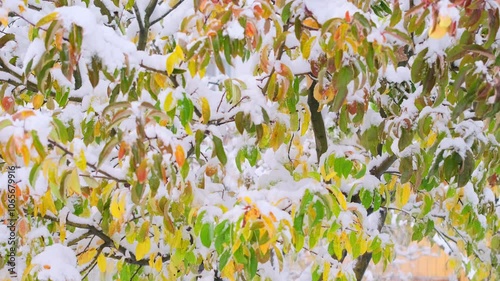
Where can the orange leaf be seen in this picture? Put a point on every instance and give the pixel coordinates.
(123, 149)
(347, 16)
(250, 29)
(142, 171)
(311, 23)
(22, 115)
(180, 157)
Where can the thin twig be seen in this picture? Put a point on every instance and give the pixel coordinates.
(65, 150)
(166, 13)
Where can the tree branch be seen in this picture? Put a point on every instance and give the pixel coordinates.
(108, 242)
(317, 122)
(144, 24)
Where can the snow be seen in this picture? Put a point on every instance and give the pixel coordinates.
(470, 194)
(57, 263)
(457, 145)
(397, 75)
(371, 118)
(325, 10)
(98, 39)
(34, 53)
(234, 30)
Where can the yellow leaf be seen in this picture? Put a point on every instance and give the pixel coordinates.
(441, 28)
(26, 154)
(97, 129)
(444, 21)
(48, 203)
(311, 23)
(307, 46)
(37, 100)
(229, 271)
(192, 67)
(180, 157)
(169, 103)
(158, 264)
(142, 248)
(4, 21)
(438, 32)
(81, 162)
(341, 199)
(326, 270)
(22, 115)
(101, 262)
(405, 194)
(307, 119)
(205, 110)
(46, 19)
(174, 58)
(74, 182)
(86, 256)
(236, 246)
(161, 80)
(431, 139)
(117, 206)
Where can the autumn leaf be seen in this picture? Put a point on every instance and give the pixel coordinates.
(143, 248)
(311, 23)
(117, 206)
(86, 256)
(142, 171)
(180, 157)
(205, 110)
(440, 29)
(101, 262)
(46, 19)
(23, 115)
(38, 100)
(74, 182)
(250, 29)
(174, 58)
(81, 161)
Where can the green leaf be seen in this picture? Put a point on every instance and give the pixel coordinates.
(6, 38)
(108, 147)
(186, 109)
(206, 235)
(285, 14)
(61, 130)
(224, 258)
(5, 123)
(34, 174)
(252, 268)
(219, 150)
(199, 136)
(366, 198)
(405, 139)
(466, 170)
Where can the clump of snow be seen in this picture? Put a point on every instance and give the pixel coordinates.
(397, 75)
(325, 10)
(371, 118)
(98, 39)
(57, 263)
(234, 30)
(470, 194)
(457, 145)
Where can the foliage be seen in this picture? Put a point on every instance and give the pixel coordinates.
(250, 140)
